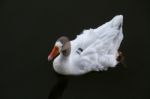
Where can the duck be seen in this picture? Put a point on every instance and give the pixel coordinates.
(93, 50)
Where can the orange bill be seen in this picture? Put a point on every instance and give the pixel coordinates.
(54, 53)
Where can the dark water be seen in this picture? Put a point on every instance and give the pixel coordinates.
(59, 89)
(29, 29)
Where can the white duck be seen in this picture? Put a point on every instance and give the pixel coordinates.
(93, 50)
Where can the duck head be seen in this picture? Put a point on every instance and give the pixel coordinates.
(63, 46)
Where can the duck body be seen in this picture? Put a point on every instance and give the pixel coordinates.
(93, 50)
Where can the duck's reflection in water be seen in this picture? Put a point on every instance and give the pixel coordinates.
(59, 87)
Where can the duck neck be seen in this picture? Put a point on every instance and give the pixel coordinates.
(64, 54)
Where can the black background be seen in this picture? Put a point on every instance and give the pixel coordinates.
(29, 28)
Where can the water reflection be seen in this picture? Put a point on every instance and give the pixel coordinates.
(59, 87)
(62, 83)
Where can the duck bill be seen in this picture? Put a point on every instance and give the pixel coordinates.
(53, 53)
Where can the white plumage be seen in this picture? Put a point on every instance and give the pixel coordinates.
(100, 50)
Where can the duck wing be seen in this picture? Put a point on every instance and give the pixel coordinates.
(100, 46)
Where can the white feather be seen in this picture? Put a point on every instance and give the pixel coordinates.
(100, 48)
